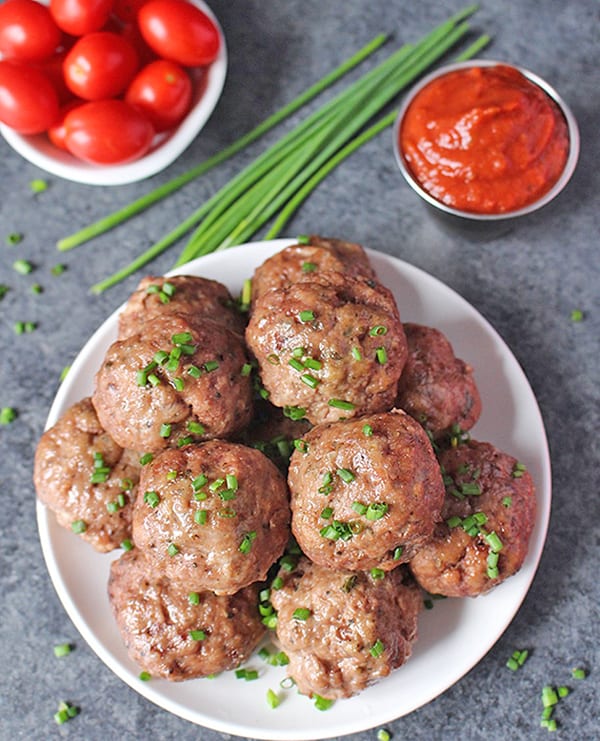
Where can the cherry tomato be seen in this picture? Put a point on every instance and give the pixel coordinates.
(79, 17)
(100, 65)
(53, 69)
(107, 132)
(28, 102)
(131, 32)
(58, 132)
(179, 31)
(163, 92)
(27, 31)
(127, 10)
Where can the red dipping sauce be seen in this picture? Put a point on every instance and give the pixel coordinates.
(484, 139)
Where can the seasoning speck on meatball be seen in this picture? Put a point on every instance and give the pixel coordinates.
(174, 632)
(214, 515)
(333, 346)
(88, 480)
(437, 388)
(343, 631)
(488, 518)
(365, 493)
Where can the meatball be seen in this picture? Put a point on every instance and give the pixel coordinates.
(88, 480)
(435, 387)
(334, 347)
(488, 517)
(180, 294)
(343, 631)
(300, 262)
(214, 515)
(176, 380)
(365, 493)
(175, 633)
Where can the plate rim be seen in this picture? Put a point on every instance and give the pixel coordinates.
(44, 516)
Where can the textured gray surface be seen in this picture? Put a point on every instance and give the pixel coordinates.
(525, 284)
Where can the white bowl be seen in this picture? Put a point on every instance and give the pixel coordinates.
(40, 151)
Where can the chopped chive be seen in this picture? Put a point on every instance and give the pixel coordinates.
(197, 635)
(356, 353)
(294, 413)
(301, 445)
(359, 507)
(453, 521)
(277, 583)
(187, 440)
(246, 369)
(313, 364)
(145, 676)
(112, 507)
(376, 510)
(165, 430)
(201, 516)
(576, 315)
(194, 598)
(231, 481)
(210, 365)
(58, 269)
(126, 545)
(78, 526)
(578, 673)
(298, 352)
(23, 267)
(346, 475)
(563, 691)
(7, 415)
(309, 267)
(63, 649)
(378, 330)
(322, 703)
(38, 185)
(341, 404)
(301, 613)
(381, 355)
(273, 699)
(246, 296)
(494, 541)
(153, 379)
(296, 364)
(195, 428)
(549, 696)
(327, 513)
(173, 549)
(507, 501)
(4, 289)
(247, 540)
(377, 649)
(367, 430)
(377, 573)
(383, 735)
(310, 380)
(14, 238)
(349, 583)
(178, 383)
(398, 553)
(194, 371)
(306, 316)
(200, 481)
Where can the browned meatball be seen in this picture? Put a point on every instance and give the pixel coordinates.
(88, 480)
(300, 262)
(215, 515)
(489, 514)
(344, 631)
(334, 347)
(176, 633)
(180, 294)
(435, 387)
(176, 380)
(366, 493)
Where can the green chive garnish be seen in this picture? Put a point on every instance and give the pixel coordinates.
(306, 316)
(301, 613)
(341, 404)
(7, 415)
(322, 703)
(197, 635)
(78, 526)
(377, 649)
(172, 550)
(23, 267)
(63, 649)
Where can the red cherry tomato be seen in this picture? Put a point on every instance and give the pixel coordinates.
(79, 17)
(179, 31)
(58, 132)
(127, 10)
(53, 69)
(107, 132)
(27, 31)
(28, 102)
(131, 32)
(163, 92)
(100, 65)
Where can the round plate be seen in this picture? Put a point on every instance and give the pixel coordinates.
(511, 420)
(40, 151)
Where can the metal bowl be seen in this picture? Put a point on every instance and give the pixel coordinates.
(488, 223)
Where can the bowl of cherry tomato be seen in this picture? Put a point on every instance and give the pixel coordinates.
(107, 92)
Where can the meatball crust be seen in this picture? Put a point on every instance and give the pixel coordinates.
(463, 559)
(363, 500)
(81, 474)
(333, 342)
(186, 294)
(356, 631)
(214, 515)
(177, 379)
(437, 388)
(172, 637)
(300, 262)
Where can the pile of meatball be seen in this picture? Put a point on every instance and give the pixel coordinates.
(300, 464)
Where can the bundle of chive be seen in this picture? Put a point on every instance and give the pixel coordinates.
(278, 181)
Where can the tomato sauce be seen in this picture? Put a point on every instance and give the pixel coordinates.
(484, 139)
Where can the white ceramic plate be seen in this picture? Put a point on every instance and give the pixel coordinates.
(453, 636)
(40, 151)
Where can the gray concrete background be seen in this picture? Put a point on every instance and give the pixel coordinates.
(525, 283)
